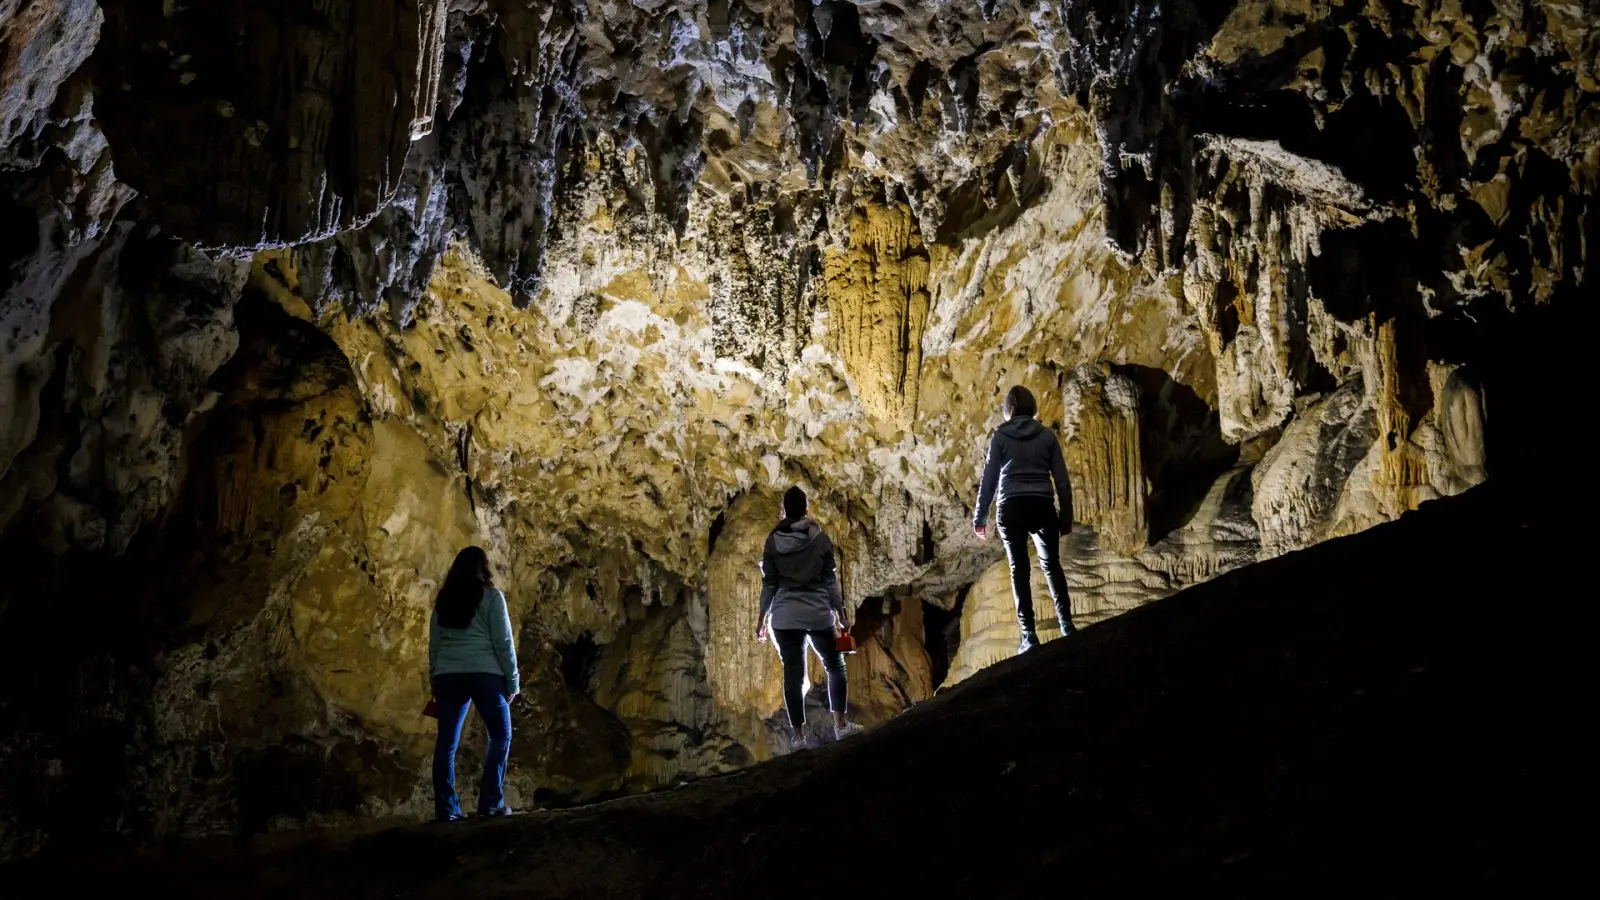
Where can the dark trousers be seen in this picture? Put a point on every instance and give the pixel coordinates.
(792, 650)
(453, 693)
(1021, 518)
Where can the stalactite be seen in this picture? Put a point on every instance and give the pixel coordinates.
(877, 293)
(1253, 236)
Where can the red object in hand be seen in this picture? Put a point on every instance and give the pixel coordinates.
(431, 708)
(845, 643)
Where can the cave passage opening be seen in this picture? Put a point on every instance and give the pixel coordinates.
(579, 660)
(941, 634)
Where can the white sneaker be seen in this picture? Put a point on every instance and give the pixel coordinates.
(848, 729)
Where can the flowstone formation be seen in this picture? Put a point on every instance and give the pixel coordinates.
(301, 298)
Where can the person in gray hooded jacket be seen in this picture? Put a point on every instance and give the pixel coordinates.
(1025, 466)
(800, 603)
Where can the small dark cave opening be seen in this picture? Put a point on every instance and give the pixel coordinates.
(1358, 272)
(917, 85)
(870, 617)
(579, 660)
(19, 232)
(926, 545)
(941, 634)
(717, 524)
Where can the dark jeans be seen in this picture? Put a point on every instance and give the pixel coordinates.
(453, 693)
(1021, 518)
(792, 650)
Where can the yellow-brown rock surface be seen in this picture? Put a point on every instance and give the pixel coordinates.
(643, 266)
(1102, 449)
(741, 670)
(877, 292)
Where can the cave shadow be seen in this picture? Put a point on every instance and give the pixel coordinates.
(1535, 367)
(993, 201)
(1181, 446)
(84, 707)
(1371, 272)
(1364, 271)
(941, 635)
(1253, 101)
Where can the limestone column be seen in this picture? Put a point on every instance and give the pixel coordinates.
(1101, 433)
(744, 674)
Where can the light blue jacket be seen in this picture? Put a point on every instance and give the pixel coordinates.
(484, 647)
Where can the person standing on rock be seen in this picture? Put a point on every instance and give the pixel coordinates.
(1024, 459)
(800, 603)
(472, 659)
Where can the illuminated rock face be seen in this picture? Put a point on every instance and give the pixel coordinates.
(590, 284)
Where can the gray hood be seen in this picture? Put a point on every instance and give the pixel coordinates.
(799, 582)
(1024, 460)
(794, 535)
(1022, 428)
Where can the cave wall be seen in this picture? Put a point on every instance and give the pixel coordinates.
(299, 298)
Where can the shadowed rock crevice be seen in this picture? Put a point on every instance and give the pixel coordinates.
(1182, 448)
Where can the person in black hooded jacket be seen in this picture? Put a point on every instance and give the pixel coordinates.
(801, 602)
(1025, 465)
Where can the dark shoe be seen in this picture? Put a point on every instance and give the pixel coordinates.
(1065, 624)
(1029, 641)
(452, 817)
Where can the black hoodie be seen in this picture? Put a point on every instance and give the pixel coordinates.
(799, 583)
(1024, 457)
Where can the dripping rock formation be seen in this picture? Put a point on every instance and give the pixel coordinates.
(299, 298)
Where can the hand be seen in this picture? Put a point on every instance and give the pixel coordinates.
(982, 531)
(513, 697)
(838, 625)
(761, 633)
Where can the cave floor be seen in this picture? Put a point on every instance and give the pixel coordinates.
(1397, 713)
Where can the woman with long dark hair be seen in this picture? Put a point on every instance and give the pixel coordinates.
(472, 659)
(1026, 467)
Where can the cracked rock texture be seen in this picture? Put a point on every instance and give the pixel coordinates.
(296, 299)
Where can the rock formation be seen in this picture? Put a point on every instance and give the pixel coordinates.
(1101, 430)
(300, 298)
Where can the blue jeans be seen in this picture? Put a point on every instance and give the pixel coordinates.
(453, 693)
